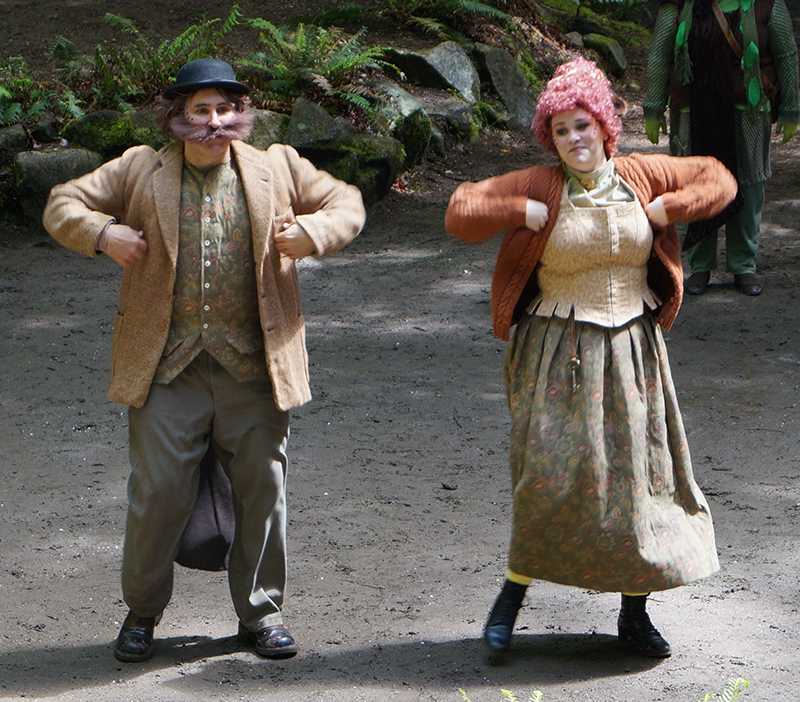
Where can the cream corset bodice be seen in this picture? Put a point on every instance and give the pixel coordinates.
(595, 261)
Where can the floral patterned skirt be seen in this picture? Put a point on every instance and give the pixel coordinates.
(604, 495)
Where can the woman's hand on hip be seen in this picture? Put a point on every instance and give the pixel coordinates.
(536, 215)
(657, 213)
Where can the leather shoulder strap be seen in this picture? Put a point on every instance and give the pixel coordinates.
(726, 30)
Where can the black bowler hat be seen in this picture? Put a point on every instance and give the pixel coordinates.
(204, 73)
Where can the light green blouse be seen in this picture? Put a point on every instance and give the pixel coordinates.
(599, 188)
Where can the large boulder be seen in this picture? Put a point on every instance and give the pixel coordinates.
(311, 126)
(38, 171)
(502, 72)
(445, 66)
(404, 117)
(13, 140)
(610, 50)
(380, 161)
(451, 116)
(334, 145)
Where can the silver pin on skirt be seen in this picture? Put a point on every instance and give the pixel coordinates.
(574, 366)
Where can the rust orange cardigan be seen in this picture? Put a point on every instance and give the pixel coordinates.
(693, 188)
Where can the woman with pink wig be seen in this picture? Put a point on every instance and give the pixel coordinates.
(589, 272)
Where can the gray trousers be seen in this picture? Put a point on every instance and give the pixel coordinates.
(168, 437)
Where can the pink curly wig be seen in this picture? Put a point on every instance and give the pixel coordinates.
(578, 84)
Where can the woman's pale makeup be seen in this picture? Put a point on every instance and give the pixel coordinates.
(579, 140)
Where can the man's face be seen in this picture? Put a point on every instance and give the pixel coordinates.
(210, 109)
(211, 119)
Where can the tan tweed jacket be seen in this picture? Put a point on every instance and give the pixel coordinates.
(693, 188)
(142, 189)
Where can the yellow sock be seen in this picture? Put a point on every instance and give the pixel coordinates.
(518, 579)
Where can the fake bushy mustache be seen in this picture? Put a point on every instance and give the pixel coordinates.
(238, 128)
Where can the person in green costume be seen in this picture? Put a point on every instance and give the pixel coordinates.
(723, 103)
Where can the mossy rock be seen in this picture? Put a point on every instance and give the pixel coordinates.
(139, 127)
(111, 133)
(568, 6)
(564, 14)
(37, 172)
(311, 127)
(610, 50)
(403, 116)
(13, 140)
(380, 161)
(268, 128)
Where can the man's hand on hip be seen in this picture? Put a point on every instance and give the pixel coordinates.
(293, 241)
(122, 243)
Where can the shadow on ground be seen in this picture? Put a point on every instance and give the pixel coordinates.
(209, 662)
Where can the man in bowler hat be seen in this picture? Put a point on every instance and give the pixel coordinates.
(209, 340)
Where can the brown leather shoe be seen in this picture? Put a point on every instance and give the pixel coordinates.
(135, 641)
(747, 284)
(270, 642)
(697, 283)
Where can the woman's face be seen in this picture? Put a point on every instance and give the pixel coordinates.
(579, 140)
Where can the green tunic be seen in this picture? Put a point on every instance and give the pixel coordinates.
(669, 71)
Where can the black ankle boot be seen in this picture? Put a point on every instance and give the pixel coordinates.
(499, 627)
(637, 631)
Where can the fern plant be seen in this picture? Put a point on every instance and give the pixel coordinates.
(439, 16)
(117, 77)
(326, 64)
(733, 691)
(24, 99)
(337, 13)
(508, 696)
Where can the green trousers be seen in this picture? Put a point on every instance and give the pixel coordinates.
(741, 237)
(168, 437)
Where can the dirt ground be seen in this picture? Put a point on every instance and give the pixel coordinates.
(398, 485)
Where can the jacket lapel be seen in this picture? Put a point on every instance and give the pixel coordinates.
(258, 183)
(167, 197)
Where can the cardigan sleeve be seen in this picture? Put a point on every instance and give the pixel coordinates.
(478, 211)
(692, 187)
